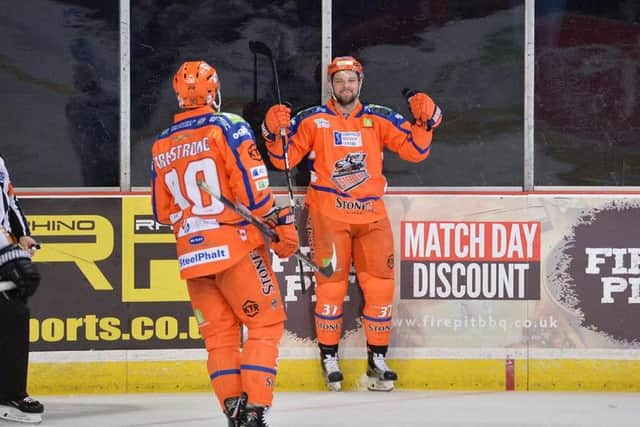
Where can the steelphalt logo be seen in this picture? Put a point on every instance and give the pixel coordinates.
(599, 271)
(191, 259)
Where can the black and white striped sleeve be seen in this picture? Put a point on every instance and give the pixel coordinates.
(13, 219)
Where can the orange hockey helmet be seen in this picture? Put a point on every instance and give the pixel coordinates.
(196, 84)
(345, 63)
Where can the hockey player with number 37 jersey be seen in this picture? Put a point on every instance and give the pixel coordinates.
(345, 140)
(223, 259)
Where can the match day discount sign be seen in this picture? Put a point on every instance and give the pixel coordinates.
(470, 260)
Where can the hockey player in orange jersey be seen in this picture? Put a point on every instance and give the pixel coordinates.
(223, 259)
(345, 140)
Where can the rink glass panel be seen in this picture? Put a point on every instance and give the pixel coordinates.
(162, 38)
(586, 103)
(60, 104)
(469, 57)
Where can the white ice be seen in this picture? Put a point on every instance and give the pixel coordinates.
(327, 409)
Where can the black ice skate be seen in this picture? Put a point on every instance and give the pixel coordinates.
(234, 409)
(254, 416)
(379, 376)
(331, 371)
(26, 410)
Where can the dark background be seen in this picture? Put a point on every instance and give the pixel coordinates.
(59, 79)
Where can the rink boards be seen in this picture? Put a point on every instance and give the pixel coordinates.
(493, 291)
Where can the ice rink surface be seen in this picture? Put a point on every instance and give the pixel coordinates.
(398, 408)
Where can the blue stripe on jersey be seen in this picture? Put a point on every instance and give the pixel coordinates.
(305, 114)
(245, 177)
(418, 149)
(377, 319)
(395, 118)
(334, 191)
(153, 191)
(258, 368)
(261, 203)
(190, 123)
(222, 372)
(237, 132)
(325, 317)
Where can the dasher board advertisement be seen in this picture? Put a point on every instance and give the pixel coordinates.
(483, 274)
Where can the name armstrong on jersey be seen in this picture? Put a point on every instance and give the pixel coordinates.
(181, 151)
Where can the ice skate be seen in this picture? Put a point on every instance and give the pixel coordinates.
(255, 416)
(379, 376)
(26, 410)
(331, 371)
(234, 409)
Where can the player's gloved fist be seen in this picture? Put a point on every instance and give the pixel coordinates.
(278, 117)
(286, 241)
(16, 266)
(425, 111)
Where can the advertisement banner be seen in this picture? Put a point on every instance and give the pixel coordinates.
(549, 272)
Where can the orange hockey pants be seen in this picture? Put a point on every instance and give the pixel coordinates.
(371, 248)
(246, 293)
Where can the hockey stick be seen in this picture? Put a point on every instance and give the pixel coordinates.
(260, 48)
(326, 269)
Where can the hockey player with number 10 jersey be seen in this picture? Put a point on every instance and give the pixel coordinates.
(223, 259)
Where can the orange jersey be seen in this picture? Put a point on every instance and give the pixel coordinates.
(220, 149)
(346, 155)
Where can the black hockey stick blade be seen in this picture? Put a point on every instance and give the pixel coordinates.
(328, 266)
(260, 48)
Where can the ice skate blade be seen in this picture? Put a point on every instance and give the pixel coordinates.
(376, 384)
(334, 386)
(12, 414)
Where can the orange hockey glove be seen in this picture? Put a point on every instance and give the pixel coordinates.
(425, 111)
(278, 117)
(283, 221)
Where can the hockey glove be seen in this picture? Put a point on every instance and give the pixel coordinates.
(16, 266)
(425, 111)
(282, 221)
(278, 117)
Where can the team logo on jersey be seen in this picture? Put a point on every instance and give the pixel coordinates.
(258, 172)
(254, 153)
(347, 139)
(262, 184)
(321, 123)
(350, 171)
(367, 122)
